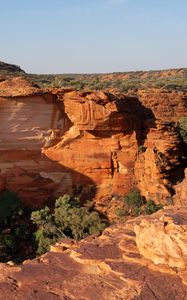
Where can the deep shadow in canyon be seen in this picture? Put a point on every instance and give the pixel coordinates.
(17, 241)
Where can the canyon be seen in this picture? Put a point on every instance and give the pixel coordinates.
(99, 146)
(57, 141)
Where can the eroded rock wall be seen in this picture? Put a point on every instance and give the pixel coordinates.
(27, 124)
(121, 142)
(160, 166)
(97, 144)
(103, 142)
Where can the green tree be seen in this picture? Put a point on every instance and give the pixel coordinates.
(69, 219)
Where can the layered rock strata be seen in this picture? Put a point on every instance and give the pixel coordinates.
(160, 167)
(121, 142)
(95, 144)
(30, 119)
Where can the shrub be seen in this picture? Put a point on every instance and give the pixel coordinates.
(151, 207)
(141, 149)
(120, 212)
(133, 202)
(134, 205)
(183, 129)
(69, 219)
(56, 83)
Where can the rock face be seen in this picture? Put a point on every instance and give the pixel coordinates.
(163, 238)
(180, 197)
(107, 137)
(102, 143)
(111, 267)
(56, 141)
(166, 106)
(158, 168)
(29, 120)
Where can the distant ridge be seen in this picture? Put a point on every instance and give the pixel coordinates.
(168, 79)
(6, 69)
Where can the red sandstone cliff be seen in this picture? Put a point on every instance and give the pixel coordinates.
(53, 141)
(29, 120)
(108, 133)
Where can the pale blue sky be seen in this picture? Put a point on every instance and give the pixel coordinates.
(87, 36)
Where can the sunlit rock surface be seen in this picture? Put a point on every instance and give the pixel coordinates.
(111, 267)
(57, 141)
(30, 120)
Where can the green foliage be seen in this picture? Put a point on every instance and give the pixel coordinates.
(133, 202)
(183, 123)
(183, 129)
(56, 83)
(134, 205)
(141, 148)
(69, 219)
(120, 213)
(67, 79)
(171, 80)
(151, 207)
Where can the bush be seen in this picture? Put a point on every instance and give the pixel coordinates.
(120, 212)
(134, 205)
(69, 219)
(183, 129)
(56, 83)
(141, 149)
(151, 207)
(133, 202)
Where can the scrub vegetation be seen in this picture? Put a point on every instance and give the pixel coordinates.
(171, 80)
(25, 233)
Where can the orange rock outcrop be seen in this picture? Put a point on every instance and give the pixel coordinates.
(108, 134)
(117, 265)
(162, 238)
(100, 144)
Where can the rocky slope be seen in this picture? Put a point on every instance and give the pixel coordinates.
(144, 258)
(97, 144)
(7, 69)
